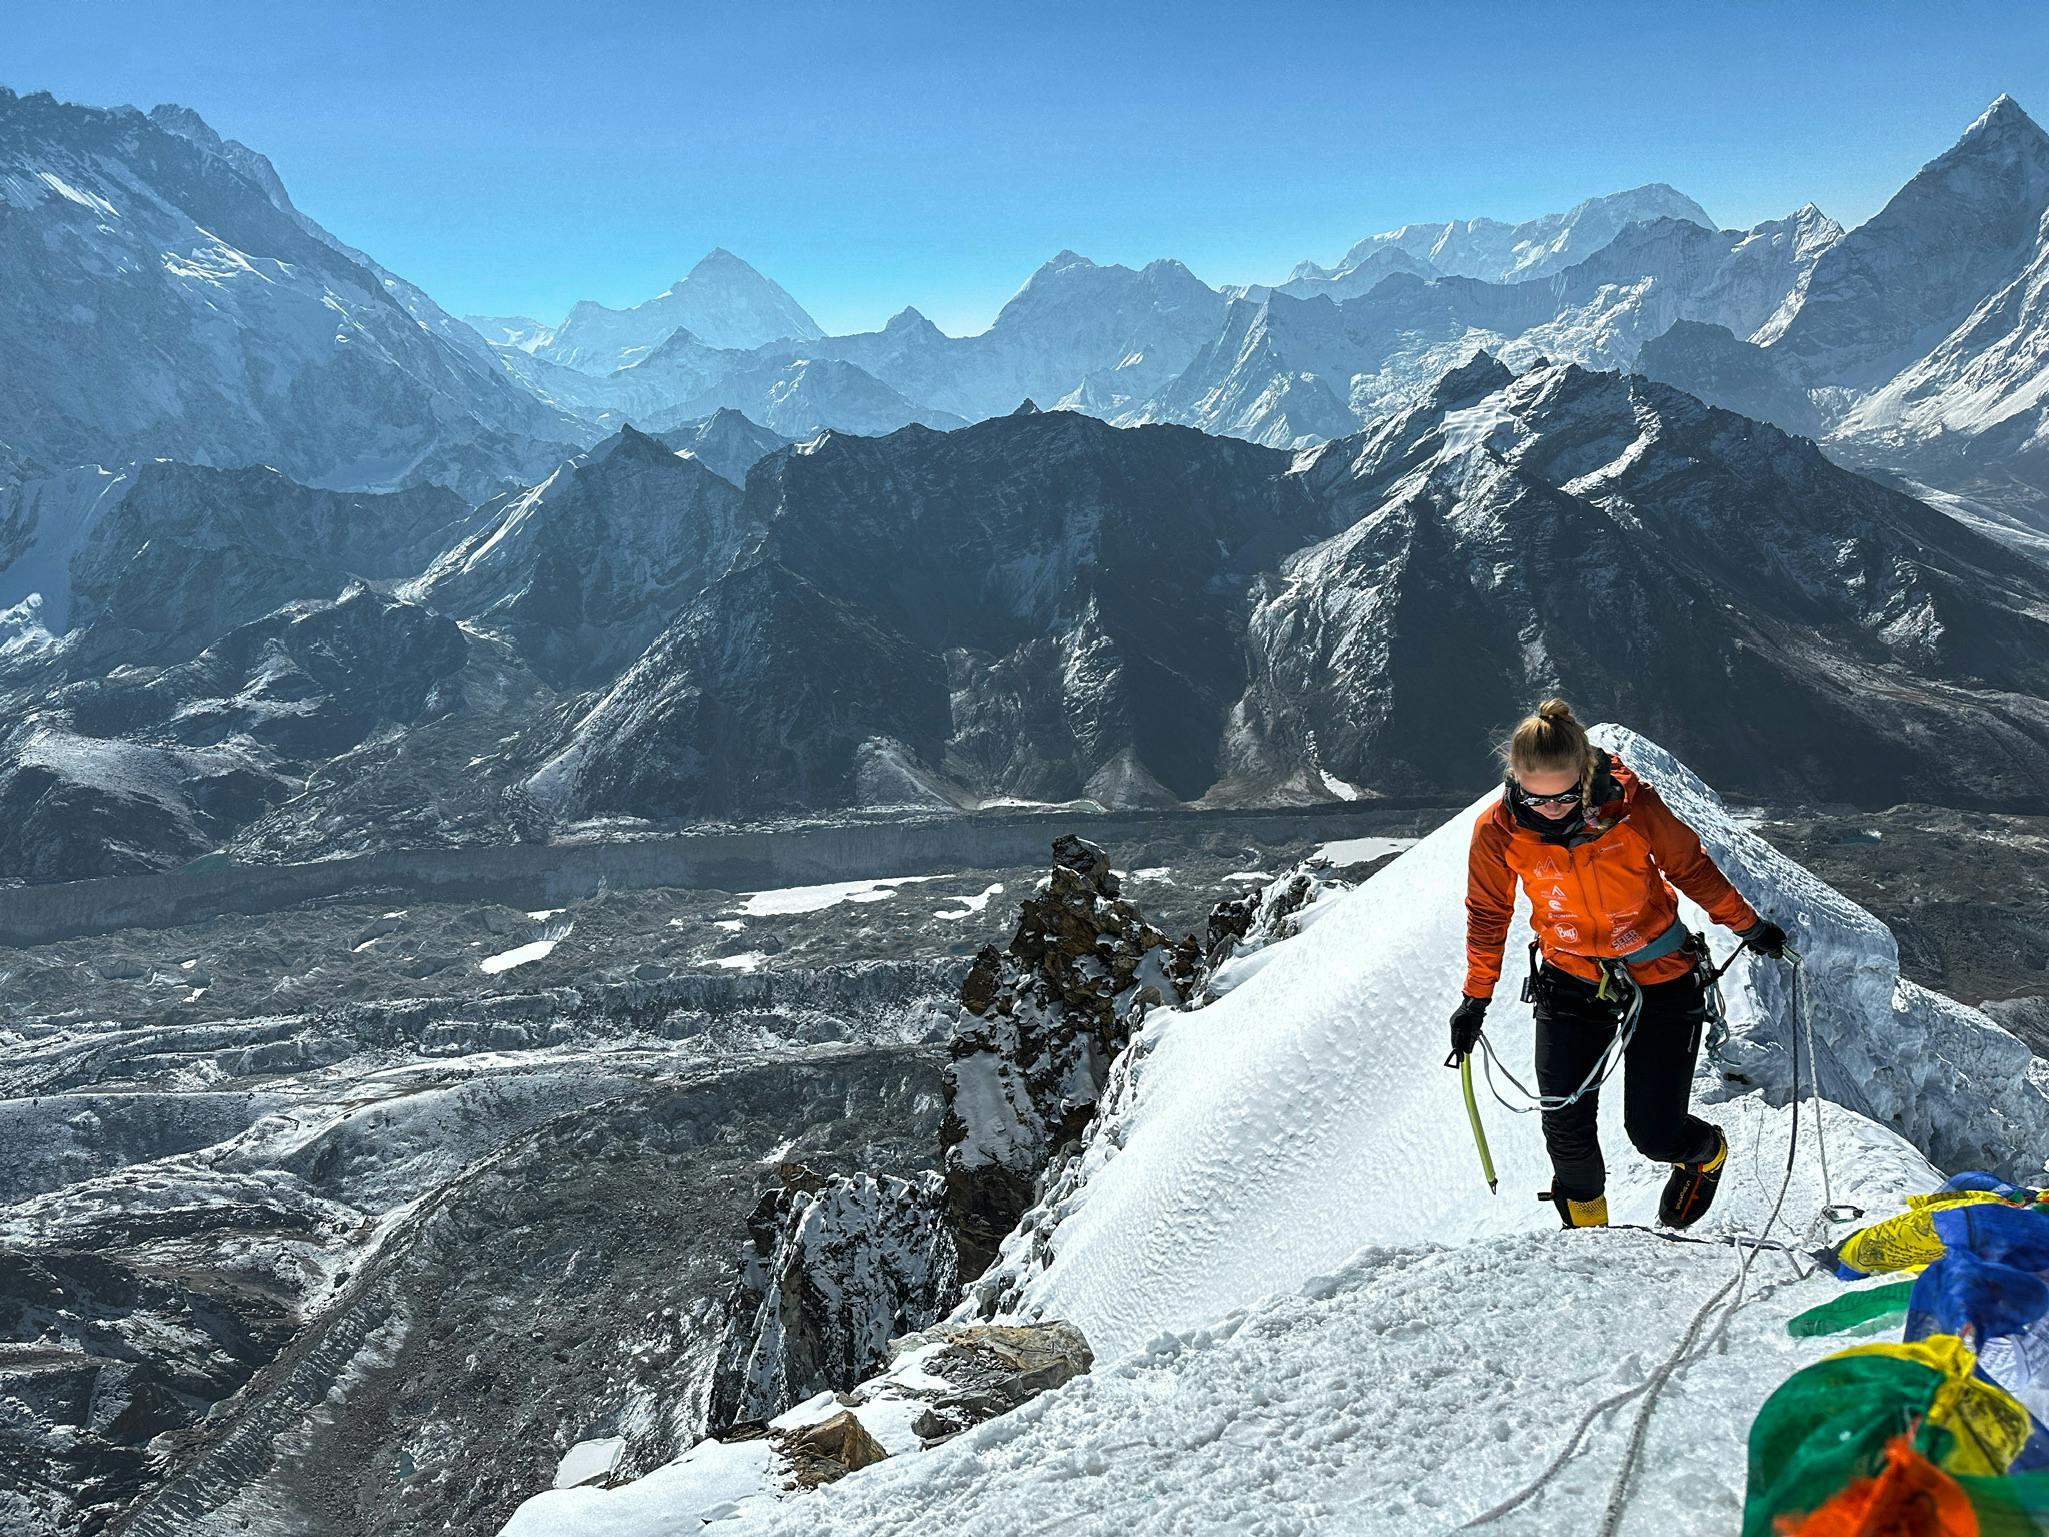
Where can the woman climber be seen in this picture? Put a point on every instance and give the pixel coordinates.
(1595, 848)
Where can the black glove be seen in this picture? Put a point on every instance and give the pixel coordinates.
(1766, 938)
(1466, 1021)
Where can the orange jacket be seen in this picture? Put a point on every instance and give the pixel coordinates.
(1599, 895)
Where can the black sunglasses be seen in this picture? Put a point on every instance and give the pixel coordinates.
(1562, 798)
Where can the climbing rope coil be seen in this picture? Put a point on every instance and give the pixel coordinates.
(1602, 1070)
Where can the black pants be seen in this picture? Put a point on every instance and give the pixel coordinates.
(1573, 1028)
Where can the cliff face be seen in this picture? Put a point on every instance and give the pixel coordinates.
(838, 1267)
(1041, 1021)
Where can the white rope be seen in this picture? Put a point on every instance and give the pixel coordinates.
(1830, 1212)
(1684, 1355)
(1602, 1070)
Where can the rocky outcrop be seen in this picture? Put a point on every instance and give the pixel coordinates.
(1041, 1021)
(938, 1384)
(818, 1454)
(838, 1266)
(1246, 924)
(989, 1369)
(1239, 928)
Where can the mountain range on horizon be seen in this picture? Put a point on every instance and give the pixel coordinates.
(1483, 248)
(1038, 609)
(1914, 358)
(744, 575)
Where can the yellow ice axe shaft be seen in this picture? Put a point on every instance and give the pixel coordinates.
(1465, 1077)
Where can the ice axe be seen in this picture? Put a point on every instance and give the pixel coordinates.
(1465, 1078)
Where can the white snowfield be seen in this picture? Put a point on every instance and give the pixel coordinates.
(812, 899)
(1310, 1316)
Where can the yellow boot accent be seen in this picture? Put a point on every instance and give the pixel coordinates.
(1721, 1157)
(1592, 1213)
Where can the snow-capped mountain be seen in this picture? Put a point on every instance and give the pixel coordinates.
(1961, 230)
(1277, 1208)
(521, 331)
(1158, 344)
(1040, 605)
(1281, 371)
(169, 300)
(679, 368)
(722, 301)
(1347, 280)
(1498, 252)
(1908, 345)
(1293, 371)
(727, 442)
(1100, 338)
(580, 572)
(1972, 413)
(800, 397)
(795, 391)
(1914, 346)
(1679, 563)
(1093, 336)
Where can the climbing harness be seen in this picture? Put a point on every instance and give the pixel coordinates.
(1614, 975)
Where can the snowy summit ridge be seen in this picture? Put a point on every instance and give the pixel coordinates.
(1277, 1225)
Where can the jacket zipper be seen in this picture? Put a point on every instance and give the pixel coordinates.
(1593, 913)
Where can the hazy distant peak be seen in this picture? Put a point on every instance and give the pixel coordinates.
(184, 122)
(1067, 260)
(910, 319)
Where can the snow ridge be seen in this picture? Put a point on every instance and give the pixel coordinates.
(1279, 1247)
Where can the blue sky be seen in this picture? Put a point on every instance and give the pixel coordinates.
(517, 157)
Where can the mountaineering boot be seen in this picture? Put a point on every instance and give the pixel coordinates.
(1592, 1213)
(1691, 1189)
